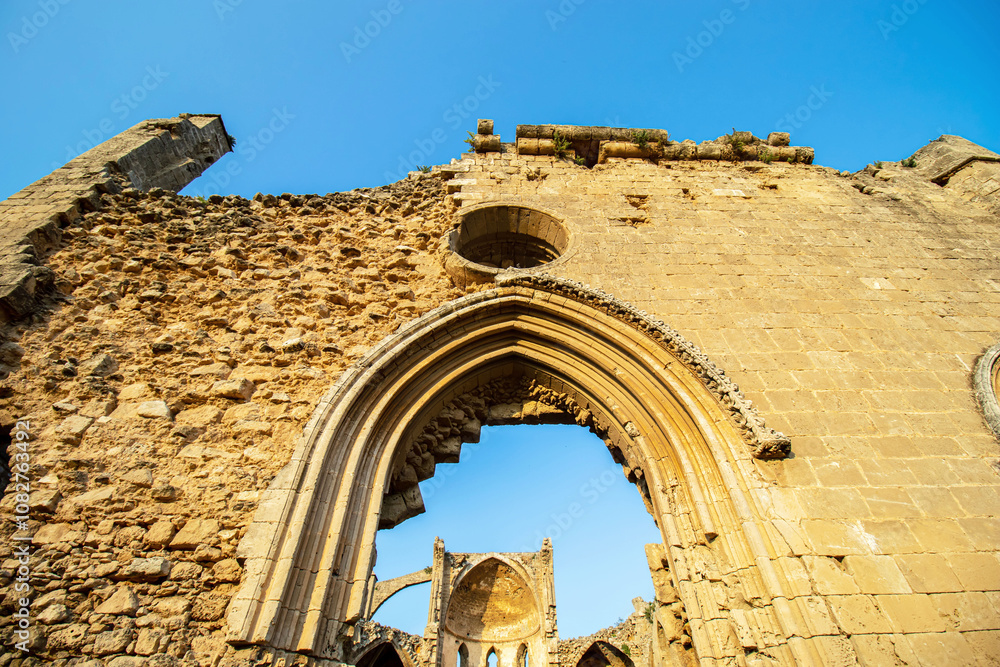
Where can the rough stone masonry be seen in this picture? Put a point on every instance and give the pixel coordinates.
(795, 351)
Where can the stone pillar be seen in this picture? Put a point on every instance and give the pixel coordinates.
(433, 630)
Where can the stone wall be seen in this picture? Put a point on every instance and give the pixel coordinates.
(165, 153)
(195, 340)
(851, 309)
(169, 385)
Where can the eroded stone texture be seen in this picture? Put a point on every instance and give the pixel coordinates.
(502, 604)
(192, 341)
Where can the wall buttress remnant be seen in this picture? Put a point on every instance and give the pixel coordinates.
(223, 401)
(165, 153)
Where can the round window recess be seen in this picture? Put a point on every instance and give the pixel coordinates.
(986, 382)
(491, 238)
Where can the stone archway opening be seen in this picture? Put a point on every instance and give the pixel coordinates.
(684, 433)
(515, 486)
(383, 655)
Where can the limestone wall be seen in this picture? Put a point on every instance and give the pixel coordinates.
(166, 153)
(851, 309)
(169, 386)
(171, 383)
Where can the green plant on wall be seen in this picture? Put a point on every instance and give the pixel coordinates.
(909, 162)
(560, 143)
(640, 138)
(766, 156)
(736, 143)
(471, 141)
(424, 168)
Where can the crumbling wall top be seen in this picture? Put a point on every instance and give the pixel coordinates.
(945, 156)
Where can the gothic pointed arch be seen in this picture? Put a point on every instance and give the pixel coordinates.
(492, 601)
(382, 655)
(604, 654)
(523, 658)
(986, 383)
(683, 432)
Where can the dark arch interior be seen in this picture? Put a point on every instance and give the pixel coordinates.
(383, 655)
(602, 654)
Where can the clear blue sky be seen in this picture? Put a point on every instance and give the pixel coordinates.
(518, 485)
(318, 106)
(883, 77)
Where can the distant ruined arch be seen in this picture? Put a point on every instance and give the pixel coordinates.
(383, 655)
(604, 654)
(683, 432)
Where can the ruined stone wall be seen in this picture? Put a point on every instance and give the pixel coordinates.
(632, 636)
(169, 384)
(851, 309)
(166, 153)
(194, 339)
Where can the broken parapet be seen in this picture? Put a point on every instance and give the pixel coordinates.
(164, 153)
(944, 157)
(484, 141)
(967, 169)
(594, 145)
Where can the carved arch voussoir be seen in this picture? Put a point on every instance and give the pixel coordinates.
(766, 443)
(683, 429)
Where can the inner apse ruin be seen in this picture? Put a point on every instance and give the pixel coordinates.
(210, 407)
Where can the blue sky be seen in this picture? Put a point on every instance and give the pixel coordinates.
(518, 485)
(327, 96)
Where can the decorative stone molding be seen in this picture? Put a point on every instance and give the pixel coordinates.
(369, 635)
(986, 383)
(679, 428)
(765, 442)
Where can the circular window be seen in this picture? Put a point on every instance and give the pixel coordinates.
(493, 238)
(986, 381)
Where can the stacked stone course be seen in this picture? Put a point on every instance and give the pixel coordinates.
(169, 352)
